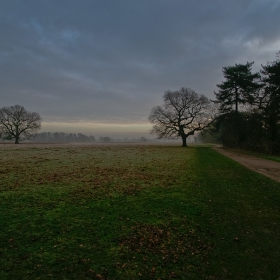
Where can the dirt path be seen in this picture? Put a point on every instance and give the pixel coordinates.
(266, 167)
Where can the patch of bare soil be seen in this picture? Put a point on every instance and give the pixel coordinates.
(266, 167)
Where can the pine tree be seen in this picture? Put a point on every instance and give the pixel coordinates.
(270, 103)
(240, 87)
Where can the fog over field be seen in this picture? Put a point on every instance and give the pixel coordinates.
(98, 67)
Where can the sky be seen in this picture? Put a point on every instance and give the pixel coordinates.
(99, 66)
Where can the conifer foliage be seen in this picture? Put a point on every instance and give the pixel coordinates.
(249, 105)
(240, 87)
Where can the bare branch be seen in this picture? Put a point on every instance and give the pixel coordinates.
(183, 113)
(17, 123)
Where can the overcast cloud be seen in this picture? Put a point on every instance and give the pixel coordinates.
(110, 61)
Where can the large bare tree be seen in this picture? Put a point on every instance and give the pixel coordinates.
(17, 123)
(183, 113)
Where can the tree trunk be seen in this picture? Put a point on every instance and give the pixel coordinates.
(236, 100)
(184, 140)
(17, 135)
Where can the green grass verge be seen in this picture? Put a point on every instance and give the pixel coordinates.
(260, 155)
(135, 212)
(274, 158)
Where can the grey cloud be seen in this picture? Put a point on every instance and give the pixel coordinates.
(112, 60)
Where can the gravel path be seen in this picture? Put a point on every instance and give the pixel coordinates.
(266, 167)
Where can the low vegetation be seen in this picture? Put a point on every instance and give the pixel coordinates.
(260, 155)
(134, 212)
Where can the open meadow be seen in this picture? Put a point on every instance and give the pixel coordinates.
(134, 212)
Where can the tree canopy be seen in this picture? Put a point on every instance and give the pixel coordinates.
(18, 124)
(184, 112)
(255, 127)
(270, 101)
(240, 87)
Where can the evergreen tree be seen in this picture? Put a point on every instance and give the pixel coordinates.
(270, 103)
(240, 87)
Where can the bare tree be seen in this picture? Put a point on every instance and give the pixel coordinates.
(17, 123)
(184, 112)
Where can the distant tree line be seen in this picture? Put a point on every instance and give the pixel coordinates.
(18, 124)
(62, 137)
(249, 107)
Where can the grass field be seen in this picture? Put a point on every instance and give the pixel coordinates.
(135, 212)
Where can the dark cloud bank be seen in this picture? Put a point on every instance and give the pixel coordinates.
(110, 61)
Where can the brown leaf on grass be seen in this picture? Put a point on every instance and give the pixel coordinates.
(166, 242)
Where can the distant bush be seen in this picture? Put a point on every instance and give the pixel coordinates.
(105, 139)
